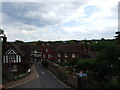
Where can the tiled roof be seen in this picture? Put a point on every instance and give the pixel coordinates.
(24, 49)
(69, 48)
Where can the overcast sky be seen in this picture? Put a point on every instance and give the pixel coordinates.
(50, 21)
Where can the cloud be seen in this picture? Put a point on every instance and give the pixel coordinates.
(100, 22)
(66, 20)
(39, 14)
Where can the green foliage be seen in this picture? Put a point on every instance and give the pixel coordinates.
(64, 64)
(71, 41)
(66, 72)
(45, 62)
(105, 65)
(107, 60)
(113, 84)
(86, 64)
(74, 61)
(99, 45)
(18, 41)
(39, 42)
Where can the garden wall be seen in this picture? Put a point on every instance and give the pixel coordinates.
(71, 80)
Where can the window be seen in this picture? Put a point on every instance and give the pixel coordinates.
(11, 52)
(59, 60)
(43, 55)
(66, 55)
(39, 54)
(59, 55)
(46, 50)
(65, 60)
(73, 55)
(11, 57)
(49, 56)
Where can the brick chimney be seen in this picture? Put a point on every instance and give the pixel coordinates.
(83, 46)
(4, 43)
(34, 43)
(42, 44)
(88, 47)
(4, 39)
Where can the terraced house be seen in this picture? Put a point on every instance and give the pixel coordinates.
(64, 52)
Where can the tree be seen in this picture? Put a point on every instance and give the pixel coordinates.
(108, 63)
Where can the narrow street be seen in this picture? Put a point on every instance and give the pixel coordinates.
(45, 79)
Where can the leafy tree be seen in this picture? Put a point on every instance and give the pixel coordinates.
(108, 63)
(86, 64)
(18, 41)
(39, 42)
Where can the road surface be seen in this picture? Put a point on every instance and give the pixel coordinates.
(45, 79)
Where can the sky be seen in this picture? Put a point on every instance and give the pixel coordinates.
(55, 20)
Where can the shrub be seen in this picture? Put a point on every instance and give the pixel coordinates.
(64, 64)
(45, 62)
(113, 84)
(86, 64)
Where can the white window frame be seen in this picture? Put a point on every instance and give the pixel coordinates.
(44, 56)
(66, 55)
(46, 50)
(65, 60)
(59, 60)
(73, 55)
(49, 56)
(59, 55)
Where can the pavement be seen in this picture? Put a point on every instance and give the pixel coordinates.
(28, 78)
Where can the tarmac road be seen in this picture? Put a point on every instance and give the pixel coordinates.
(45, 79)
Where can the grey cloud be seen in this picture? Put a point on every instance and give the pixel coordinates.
(37, 14)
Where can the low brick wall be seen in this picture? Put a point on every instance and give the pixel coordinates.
(54, 69)
(72, 80)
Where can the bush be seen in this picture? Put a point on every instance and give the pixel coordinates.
(45, 62)
(113, 84)
(86, 64)
(66, 72)
(64, 64)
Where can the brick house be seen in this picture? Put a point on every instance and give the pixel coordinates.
(48, 52)
(65, 52)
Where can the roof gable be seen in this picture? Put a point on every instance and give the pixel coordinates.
(11, 50)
